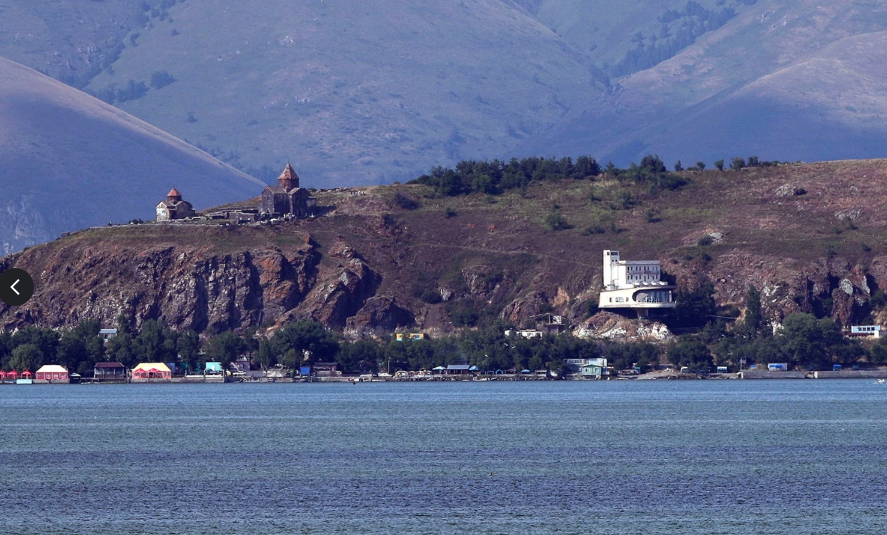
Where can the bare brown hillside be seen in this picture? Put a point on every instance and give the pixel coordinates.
(810, 236)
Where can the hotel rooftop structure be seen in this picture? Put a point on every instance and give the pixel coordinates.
(634, 284)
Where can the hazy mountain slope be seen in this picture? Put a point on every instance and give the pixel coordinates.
(68, 161)
(71, 40)
(606, 31)
(354, 93)
(785, 80)
(385, 89)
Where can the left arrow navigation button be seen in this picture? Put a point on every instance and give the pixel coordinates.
(16, 287)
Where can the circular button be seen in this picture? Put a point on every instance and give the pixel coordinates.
(16, 287)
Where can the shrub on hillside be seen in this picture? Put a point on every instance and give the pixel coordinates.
(556, 221)
(161, 79)
(405, 201)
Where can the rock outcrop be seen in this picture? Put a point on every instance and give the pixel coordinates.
(616, 328)
(192, 288)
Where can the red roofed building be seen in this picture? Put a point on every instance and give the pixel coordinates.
(151, 370)
(174, 207)
(52, 373)
(287, 197)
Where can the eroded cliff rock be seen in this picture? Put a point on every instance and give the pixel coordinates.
(189, 287)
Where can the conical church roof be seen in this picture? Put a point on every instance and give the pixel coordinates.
(288, 174)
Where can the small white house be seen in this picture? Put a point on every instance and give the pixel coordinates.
(866, 330)
(634, 284)
(107, 334)
(576, 365)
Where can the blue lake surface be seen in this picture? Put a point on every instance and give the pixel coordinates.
(645, 457)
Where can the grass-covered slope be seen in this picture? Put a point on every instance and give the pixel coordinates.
(68, 161)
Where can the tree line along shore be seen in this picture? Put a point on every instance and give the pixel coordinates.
(802, 342)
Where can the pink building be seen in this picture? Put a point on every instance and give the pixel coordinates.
(52, 373)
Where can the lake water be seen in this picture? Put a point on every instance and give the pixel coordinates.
(696, 457)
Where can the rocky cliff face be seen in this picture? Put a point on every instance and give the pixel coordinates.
(836, 287)
(192, 288)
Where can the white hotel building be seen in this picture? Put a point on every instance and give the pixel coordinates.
(634, 284)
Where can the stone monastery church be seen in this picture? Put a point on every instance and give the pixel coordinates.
(287, 198)
(174, 207)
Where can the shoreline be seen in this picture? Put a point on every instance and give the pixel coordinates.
(753, 375)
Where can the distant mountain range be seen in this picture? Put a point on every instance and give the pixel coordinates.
(69, 161)
(383, 90)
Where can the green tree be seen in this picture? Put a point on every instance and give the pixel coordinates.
(161, 79)
(690, 353)
(719, 164)
(265, 358)
(225, 348)
(303, 336)
(81, 348)
(694, 308)
(754, 319)
(361, 356)
(120, 348)
(26, 357)
(156, 342)
(45, 339)
(879, 352)
(809, 341)
(188, 348)
(737, 164)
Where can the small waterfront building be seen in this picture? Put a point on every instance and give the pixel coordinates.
(242, 364)
(287, 197)
(107, 334)
(174, 207)
(52, 373)
(458, 369)
(591, 371)
(109, 371)
(151, 370)
(530, 333)
(214, 368)
(865, 330)
(325, 369)
(400, 337)
(634, 284)
(576, 365)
